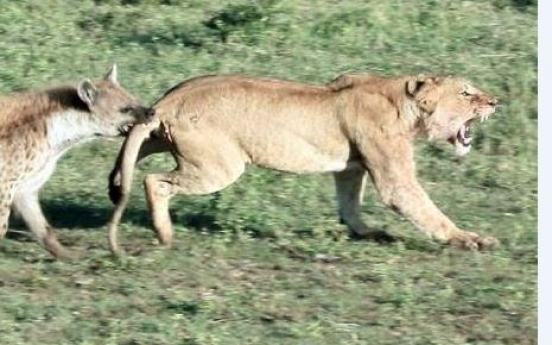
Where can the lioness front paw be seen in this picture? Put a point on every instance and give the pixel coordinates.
(473, 241)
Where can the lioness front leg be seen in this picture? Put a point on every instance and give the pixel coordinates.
(350, 192)
(410, 200)
(393, 174)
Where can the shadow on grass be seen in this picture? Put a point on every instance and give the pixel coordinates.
(69, 215)
(65, 214)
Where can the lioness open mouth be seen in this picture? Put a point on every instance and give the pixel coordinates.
(463, 139)
(463, 136)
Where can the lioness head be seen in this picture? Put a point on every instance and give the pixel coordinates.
(449, 107)
(112, 107)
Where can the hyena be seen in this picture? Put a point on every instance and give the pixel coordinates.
(38, 127)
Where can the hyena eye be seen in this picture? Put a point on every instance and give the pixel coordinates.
(126, 110)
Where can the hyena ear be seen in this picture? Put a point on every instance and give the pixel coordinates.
(87, 92)
(112, 75)
(414, 85)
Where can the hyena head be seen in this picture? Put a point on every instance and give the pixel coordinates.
(112, 107)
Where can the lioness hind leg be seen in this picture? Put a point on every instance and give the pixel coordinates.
(159, 191)
(350, 192)
(187, 180)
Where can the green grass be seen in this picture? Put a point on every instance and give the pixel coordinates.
(265, 261)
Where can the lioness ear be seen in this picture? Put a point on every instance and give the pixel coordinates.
(112, 75)
(414, 85)
(342, 82)
(87, 92)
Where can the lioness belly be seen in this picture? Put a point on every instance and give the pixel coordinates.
(292, 152)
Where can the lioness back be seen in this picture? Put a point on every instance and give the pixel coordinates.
(277, 124)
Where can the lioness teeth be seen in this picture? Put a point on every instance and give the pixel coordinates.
(467, 132)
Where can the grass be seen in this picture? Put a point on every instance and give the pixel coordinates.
(265, 261)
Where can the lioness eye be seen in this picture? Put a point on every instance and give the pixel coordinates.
(465, 93)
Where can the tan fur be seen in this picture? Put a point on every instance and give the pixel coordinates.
(37, 127)
(356, 126)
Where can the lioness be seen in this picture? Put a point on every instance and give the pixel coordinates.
(38, 127)
(355, 126)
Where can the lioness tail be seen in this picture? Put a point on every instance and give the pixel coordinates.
(136, 137)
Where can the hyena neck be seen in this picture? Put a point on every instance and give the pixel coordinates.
(70, 127)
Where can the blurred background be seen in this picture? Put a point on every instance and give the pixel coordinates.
(414, 292)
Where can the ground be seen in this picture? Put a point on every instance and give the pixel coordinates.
(266, 261)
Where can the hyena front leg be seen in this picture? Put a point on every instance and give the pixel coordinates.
(27, 206)
(5, 204)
